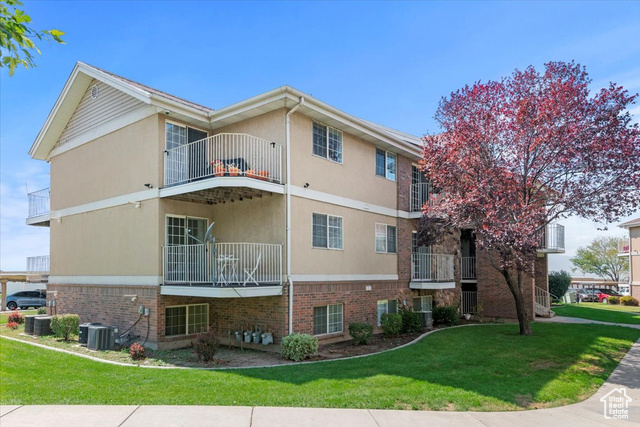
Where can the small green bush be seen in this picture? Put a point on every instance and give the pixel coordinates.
(137, 352)
(614, 300)
(206, 345)
(361, 333)
(299, 346)
(15, 317)
(411, 321)
(445, 315)
(65, 325)
(391, 324)
(629, 301)
(42, 310)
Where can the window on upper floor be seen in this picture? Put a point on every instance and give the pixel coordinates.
(386, 164)
(327, 142)
(386, 239)
(327, 231)
(386, 307)
(327, 319)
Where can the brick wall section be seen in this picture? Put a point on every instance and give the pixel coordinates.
(108, 305)
(405, 235)
(494, 295)
(542, 272)
(360, 305)
(404, 182)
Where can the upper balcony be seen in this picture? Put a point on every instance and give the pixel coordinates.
(432, 271)
(623, 248)
(225, 270)
(37, 268)
(39, 208)
(552, 239)
(423, 193)
(226, 166)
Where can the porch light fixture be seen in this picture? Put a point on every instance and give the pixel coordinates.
(133, 297)
(148, 185)
(306, 185)
(136, 204)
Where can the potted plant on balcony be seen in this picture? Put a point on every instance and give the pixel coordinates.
(251, 173)
(263, 175)
(233, 169)
(218, 168)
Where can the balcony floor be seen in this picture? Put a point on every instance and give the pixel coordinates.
(417, 284)
(233, 290)
(221, 190)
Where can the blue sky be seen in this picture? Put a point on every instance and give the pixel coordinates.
(386, 62)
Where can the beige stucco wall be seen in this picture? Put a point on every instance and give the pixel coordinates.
(358, 255)
(115, 164)
(119, 241)
(269, 126)
(634, 234)
(355, 178)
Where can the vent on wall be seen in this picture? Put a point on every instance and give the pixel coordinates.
(94, 92)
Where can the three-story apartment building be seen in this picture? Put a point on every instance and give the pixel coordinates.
(279, 210)
(631, 250)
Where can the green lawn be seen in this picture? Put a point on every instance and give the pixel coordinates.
(3, 316)
(602, 312)
(483, 368)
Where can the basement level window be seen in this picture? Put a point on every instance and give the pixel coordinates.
(386, 307)
(186, 319)
(327, 319)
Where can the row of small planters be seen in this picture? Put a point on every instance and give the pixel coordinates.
(220, 169)
(63, 326)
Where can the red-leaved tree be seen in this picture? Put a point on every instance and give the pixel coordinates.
(517, 154)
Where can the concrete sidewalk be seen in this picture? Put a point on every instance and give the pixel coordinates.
(583, 414)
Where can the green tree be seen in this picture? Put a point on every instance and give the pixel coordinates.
(559, 282)
(16, 37)
(601, 258)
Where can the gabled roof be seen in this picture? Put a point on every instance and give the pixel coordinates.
(284, 96)
(632, 223)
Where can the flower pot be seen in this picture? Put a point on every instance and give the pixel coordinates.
(263, 175)
(467, 316)
(219, 170)
(251, 173)
(233, 171)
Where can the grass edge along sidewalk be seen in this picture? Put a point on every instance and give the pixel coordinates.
(601, 312)
(480, 368)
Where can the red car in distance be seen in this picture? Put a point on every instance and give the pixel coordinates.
(605, 294)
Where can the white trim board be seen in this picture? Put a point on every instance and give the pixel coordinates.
(342, 277)
(221, 292)
(105, 129)
(432, 285)
(107, 203)
(221, 181)
(106, 280)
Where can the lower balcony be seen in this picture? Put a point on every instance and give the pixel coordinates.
(432, 271)
(223, 270)
(468, 268)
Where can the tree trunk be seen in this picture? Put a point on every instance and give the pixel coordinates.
(518, 296)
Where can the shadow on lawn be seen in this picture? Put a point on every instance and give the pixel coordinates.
(493, 361)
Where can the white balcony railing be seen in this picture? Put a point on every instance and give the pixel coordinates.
(543, 302)
(38, 203)
(432, 267)
(423, 193)
(468, 268)
(469, 302)
(623, 247)
(232, 264)
(38, 264)
(552, 238)
(224, 154)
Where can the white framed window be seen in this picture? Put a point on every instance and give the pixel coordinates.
(386, 239)
(327, 319)
(423, 303)
(327, 142)
(386, 164)
(386, 306)
(327, 231)
(186, 319)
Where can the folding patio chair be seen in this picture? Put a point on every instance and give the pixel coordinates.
(250, 275)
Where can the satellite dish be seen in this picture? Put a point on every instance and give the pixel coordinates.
(208, 237)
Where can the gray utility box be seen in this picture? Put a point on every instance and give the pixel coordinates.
(102, 337)
(83, 334)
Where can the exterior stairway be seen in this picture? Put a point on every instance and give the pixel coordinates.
(543, 303)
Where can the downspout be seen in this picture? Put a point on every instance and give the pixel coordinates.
(288, 221)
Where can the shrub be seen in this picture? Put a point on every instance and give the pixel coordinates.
(206, 345)
(42, 310)
(559, 282)
(137, 352)
(65, 325)
(445, 315)
(629, 301)
(299, 346)
(391, 324)
(361, 333)
(411, 321)
(614, 300)
(15, 317)
(12, 325)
